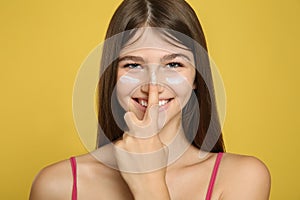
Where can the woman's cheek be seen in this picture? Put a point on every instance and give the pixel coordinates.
(124, 89)
(181, 87)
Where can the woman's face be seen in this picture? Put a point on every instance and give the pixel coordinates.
(150, 59)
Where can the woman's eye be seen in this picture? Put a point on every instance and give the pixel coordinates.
(133, 66)
(174, 65)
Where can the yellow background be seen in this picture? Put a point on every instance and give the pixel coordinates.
(254, 43)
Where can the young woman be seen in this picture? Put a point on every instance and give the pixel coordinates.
(157, 114)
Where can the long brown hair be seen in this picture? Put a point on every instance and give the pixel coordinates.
(177, 16)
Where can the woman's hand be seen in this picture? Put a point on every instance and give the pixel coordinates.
(141, 156)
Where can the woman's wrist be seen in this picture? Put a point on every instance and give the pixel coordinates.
(150, 191)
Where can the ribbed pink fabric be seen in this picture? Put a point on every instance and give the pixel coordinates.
(74, 172)
(208, 194)
(213, 176)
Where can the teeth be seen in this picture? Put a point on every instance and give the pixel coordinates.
(145, 103)
(162, 102)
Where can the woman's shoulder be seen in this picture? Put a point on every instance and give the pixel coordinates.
(244, 175)
(243, 163)
(55, 181)
(52, 182)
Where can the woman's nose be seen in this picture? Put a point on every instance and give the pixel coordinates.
(145, 88)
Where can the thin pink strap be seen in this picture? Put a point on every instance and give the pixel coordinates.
(213, 176)
(74, 172)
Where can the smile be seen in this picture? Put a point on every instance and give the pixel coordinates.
(144, 102)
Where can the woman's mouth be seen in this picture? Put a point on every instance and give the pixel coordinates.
(143, 103)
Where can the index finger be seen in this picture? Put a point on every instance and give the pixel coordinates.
(152, 95)
(153, 106)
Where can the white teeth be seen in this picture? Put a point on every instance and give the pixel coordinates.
(162, 102)
(145, 103)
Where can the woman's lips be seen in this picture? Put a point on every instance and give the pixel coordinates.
(142, 104)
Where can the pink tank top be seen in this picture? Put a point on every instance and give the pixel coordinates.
(209, 190)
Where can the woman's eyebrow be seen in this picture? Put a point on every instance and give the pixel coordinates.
(175, 55)
(133, 58)
(164, 58)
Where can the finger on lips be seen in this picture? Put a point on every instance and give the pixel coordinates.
(152, 95)
(153, 106)
(146, 127)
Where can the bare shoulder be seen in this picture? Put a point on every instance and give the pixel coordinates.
(94, 180)
(53, 182)
(244, 177)
(242, 163)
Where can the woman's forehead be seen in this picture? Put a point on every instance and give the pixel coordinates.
(153, 38)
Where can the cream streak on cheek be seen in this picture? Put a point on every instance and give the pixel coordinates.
(125, 87)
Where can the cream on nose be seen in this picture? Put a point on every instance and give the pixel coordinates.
(153, 78)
